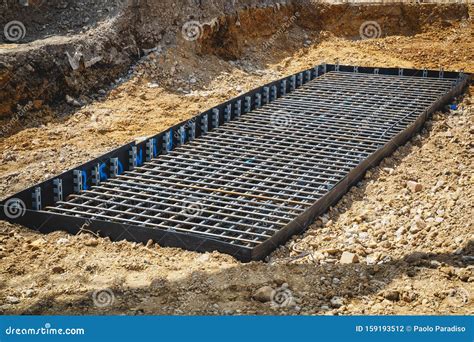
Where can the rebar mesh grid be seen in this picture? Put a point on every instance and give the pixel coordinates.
(245, 181)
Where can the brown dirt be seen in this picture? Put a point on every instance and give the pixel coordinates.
(415, 249)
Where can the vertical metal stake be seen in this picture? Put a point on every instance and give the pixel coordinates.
(114, 169)
(77, 181)
(58, 189)
(37, 198)
(132, 160)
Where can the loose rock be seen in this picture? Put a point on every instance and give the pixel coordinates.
(349, 258)
(414, 186)
(263, 294)
(392, 295)
(337, 302)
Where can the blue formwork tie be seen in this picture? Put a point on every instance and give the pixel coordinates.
(140, 157)
(102, 173)
(170, 142)
(84, 180)
(155, 148)
(120, 167)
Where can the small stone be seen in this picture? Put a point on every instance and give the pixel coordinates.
(203, 257)
(30, 293)
(37, 244)
(337, 302)
(371, 259)
(91, 242)
(263, 294)
(420, 223)
(57, 269)
(279, 281)
(12, 300)
(408, 296)
(348, 258)
(414, 186)
(62, 241)
(392, 295)
(37, 104)
(71, 101)
(448, 270)
(464, 274)
(149, 243)
(331, 251)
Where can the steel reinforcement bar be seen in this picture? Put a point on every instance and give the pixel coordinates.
(242, 177)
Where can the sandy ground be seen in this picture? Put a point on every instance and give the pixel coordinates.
(415, 250)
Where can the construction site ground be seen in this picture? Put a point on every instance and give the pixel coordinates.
(414, 245)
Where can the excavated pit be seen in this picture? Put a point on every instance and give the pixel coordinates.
(63, 60)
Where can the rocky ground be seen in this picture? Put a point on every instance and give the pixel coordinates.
(401, 242)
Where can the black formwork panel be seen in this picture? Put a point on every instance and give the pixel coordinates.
(246, 175)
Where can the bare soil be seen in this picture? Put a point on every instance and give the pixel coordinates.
(415, 249)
